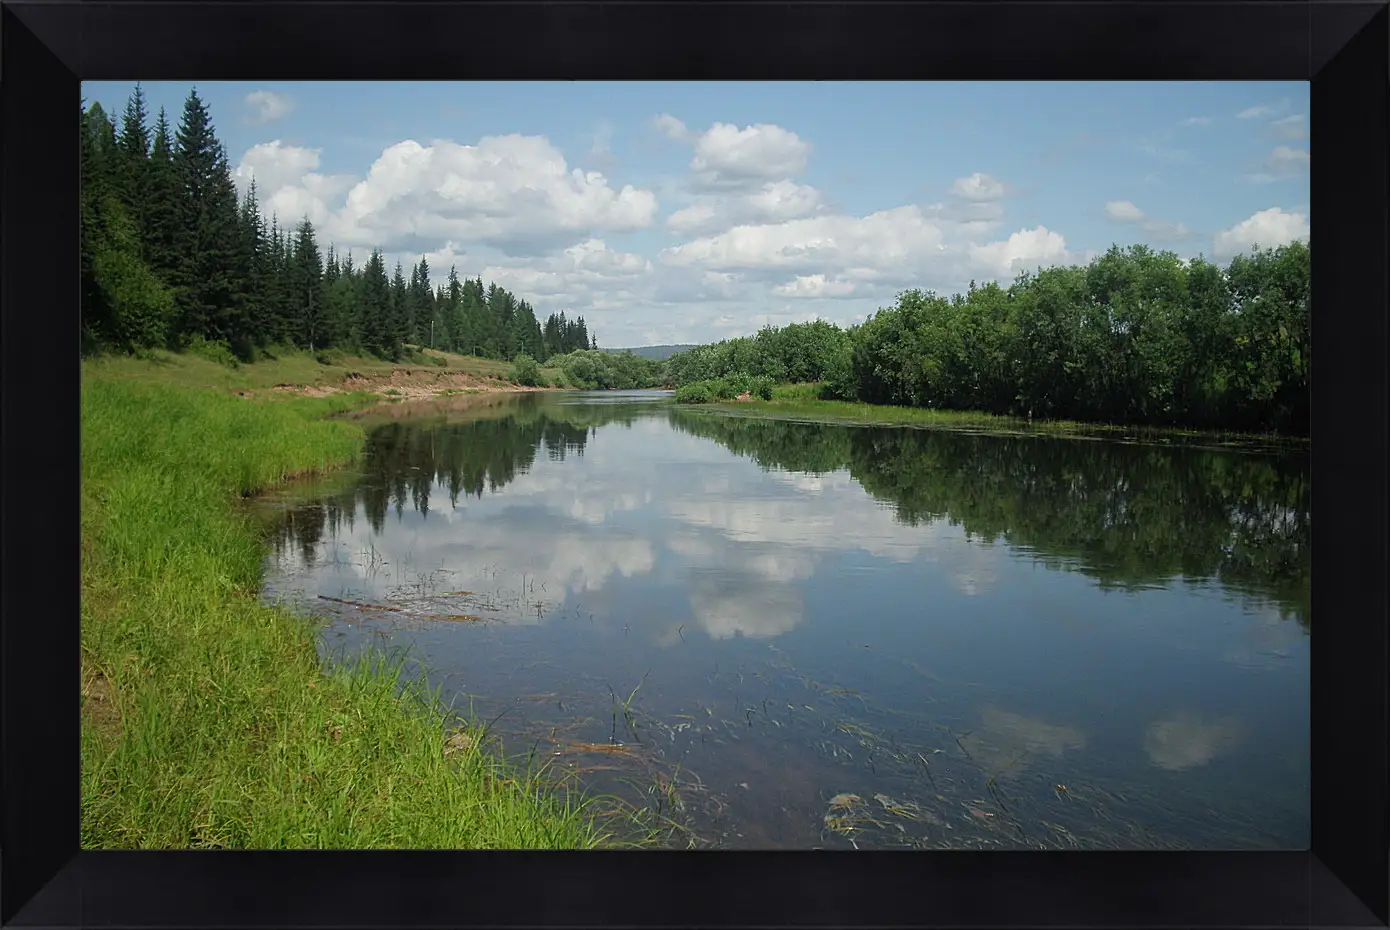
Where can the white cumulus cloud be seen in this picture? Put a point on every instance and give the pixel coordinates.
(1023, 251)
(1267, 229)
(774, 201)
(808, 244)
(288, 182)
(741, 177)
(727, 156)
(515, 192)
(831, 256)
(583, 278)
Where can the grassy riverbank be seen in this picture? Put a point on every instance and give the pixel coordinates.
(297, 368)
(802, 402)
(208, 718)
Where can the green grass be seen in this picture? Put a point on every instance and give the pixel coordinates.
(209, 719)
(288, 366)
(802, 402)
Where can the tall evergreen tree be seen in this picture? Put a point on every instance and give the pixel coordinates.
(398, 322)
(163, 210)
(307, 278)
(422, 302)
(281, 287)
(338, 324)
(374, 306)
(251, 265)
(98, 147)
(209, 296)
(133, 174)
(455, 326)
(124, 304)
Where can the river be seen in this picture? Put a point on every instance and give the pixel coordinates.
(772, 634)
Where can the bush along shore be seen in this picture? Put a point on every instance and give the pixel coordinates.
(815, 402)
(209, 719)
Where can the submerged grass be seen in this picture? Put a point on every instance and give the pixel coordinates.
(209, 719)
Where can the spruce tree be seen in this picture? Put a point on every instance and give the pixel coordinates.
(374, 305)
(279, 287)
(307, 295)
(123, 303)
(550, 337)
(252, 265)
(455, 327)
(422, 302)
(345, 299)
(397, 320)
(209, 296)
(96, 151)
(163, 211)
(526, 335)
(133, 174)
(226, 283)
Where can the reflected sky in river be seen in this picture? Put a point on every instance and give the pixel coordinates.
(1016, 641)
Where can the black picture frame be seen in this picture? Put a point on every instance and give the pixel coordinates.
(47, 49)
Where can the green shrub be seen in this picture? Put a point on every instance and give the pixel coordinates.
(437, 360)
(727, 388)
(525, 371)
(840, 376)
(213, 350)
(697, 393)
(718, 388)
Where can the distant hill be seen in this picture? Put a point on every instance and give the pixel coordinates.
(660, 353)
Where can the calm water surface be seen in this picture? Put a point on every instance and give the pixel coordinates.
(776, 634)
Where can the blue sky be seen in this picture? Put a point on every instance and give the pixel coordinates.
(691, 212)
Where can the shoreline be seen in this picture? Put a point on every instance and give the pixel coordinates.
(795, 406)
(408, 383)
(209, 719)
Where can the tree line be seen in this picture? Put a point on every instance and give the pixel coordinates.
(173, 256)
(1133, 337)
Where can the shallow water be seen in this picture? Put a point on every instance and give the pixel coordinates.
(777, 634)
